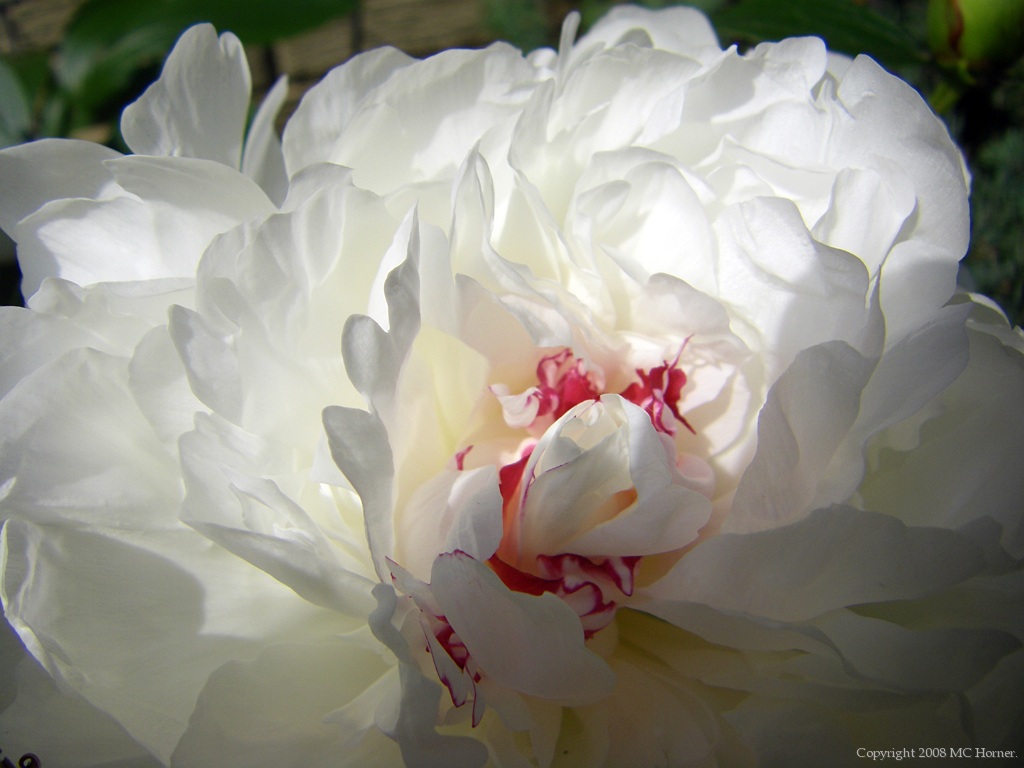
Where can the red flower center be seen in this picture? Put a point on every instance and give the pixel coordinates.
(592, 586)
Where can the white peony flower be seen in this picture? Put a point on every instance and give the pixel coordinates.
(601, 407)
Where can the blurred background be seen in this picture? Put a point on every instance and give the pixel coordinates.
(68, 67)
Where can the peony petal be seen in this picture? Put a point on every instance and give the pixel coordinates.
(75, 447)
(359, 446)
(327, 108)
(110, 318)
(681, 30)
(205, 189)
(267, 711)
(666, 515)
(51, 169)
(913, 371)
(210, 362)
(766, 242)
(229, 500)
(532, 644)
(160, 386)
(57, 726)
(657, 225)
(455, 511)
(140, 628)
(809, 411)
(199, 106)
(262, 159)
(947, 475)
(570, 506)
(658, 721)
(491, 90)
(784, 733)
(891, 200)
(185, 203)
(998, 693)
(927, 660)
(832, 558)
(410, 718)
(791, 289)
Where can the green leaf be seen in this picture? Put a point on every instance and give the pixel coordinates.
(845, 26)
(15, 114)
(522, 23)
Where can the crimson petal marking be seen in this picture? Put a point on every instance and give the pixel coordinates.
(410, 719)
(531, 644)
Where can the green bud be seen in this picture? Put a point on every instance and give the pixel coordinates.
(976, 33)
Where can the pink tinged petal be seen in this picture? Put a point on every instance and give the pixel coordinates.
(833, 558)
(455, 669)
(410, 715)
(809, 412)
(568, 488)
(617, 493)
(359, 445)
(531, 644)
(198, 107)
(666, 514)
(263, 160)
(47, 170)
(457, 679)
(519, 411)
(413, 727)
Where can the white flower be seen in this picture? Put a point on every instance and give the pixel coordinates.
(612, 406)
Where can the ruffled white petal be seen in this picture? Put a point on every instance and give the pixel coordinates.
(531, 644)
(198, 107)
